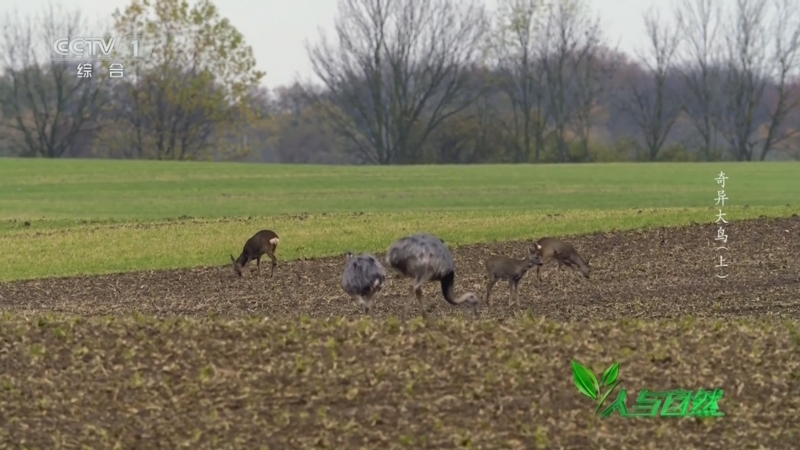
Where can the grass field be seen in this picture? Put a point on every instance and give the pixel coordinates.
(146, 190)
(69, 217)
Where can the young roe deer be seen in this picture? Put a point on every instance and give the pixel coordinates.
(563, 253)
(265, 242)
(500, 267)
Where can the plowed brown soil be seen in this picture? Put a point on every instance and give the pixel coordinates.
(130, 381)
(249, 384)
(648, 274)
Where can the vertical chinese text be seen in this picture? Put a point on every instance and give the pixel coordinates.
(721, 237)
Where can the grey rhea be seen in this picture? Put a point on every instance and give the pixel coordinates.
(363, 278)
(423, 258)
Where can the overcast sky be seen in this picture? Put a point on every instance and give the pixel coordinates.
(277, 29)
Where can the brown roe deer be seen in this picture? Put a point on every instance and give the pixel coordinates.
(563, 253)
(500, 267)
(265, 242)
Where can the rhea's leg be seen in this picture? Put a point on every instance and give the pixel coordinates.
(362, 305)
(370, 296)
(408, 302)
(418, 294)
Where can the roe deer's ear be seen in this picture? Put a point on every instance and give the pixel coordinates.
(232, 258)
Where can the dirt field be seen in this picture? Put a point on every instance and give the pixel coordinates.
(218, 384)
(644, 274)
(246, 383)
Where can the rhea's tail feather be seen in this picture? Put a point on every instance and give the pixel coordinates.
(447, 287)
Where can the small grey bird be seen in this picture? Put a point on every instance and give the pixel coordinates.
(363, 278)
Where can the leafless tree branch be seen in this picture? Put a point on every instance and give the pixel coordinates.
(651, 104)
(515, 42)
(572, 37)
(700, 63)
(784, 61)
(46, 107)
(399, 69)
(745, 78)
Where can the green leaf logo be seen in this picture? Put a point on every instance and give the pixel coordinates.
(610, 375)
(585, 380)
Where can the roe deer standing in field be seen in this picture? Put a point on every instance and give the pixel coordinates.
(423, 258)
(500, 267)
(564, 254)
(363, 278)
(265, 242)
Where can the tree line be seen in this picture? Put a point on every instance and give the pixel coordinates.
(412, 82)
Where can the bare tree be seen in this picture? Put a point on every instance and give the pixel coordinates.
(298, 131)
(571, 38)
(515, 42)
(699, 21)
(651, 105)
(398, 69)
(291, 99)
(592, 80)
(785, 61)
(45, 106)
(745, 78)
(486, 128)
